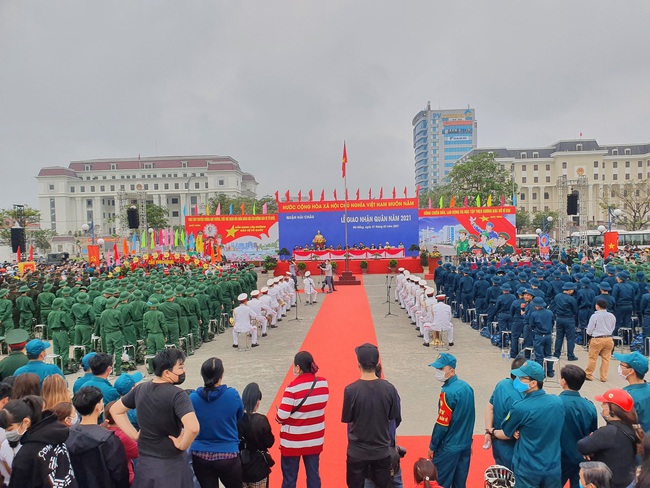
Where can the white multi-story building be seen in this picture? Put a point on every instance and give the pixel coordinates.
(91, 191)
(606, 167)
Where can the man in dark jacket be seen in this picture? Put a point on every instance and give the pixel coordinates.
(97, 454)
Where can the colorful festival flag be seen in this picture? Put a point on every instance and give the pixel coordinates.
(344, 161)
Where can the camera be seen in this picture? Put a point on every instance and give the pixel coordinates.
(401, 451)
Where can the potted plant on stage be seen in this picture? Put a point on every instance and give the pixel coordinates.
(424, 261)
(270, 263)
(301, 268)
(283, 253)
(334, 266)
(392, 265)
(364, 267)
(434, 257)
(414, 249)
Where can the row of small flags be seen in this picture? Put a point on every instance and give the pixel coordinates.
(217, 211)
(488, 202)
(310, 195)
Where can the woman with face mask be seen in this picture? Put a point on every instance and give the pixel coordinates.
(43, 459)
(617, 443)
(215, 451)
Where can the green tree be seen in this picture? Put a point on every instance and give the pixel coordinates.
(157, 216)
(42, 239)
(480, 175)
(224, 201)
(540, 219)
(27, 217)
(633, 198)
(523, 221)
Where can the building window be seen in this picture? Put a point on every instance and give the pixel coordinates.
(175, 213)
(615, 164)
(89, 202)
(614, 152)
(523, 179)
(627, 164)
(578, 147)
(639, 176)
(102, 188)
(155, 186)
(82, 189)
(535, 167)
(183, 164)
(546, 195)
(535, 155)
(534, 209)
(603, 178)
(176, 186)
(595, 176)
(166, 186)
(563, 164)
(175, 175)
(627, 176)
(206, 184)
(523, 167)
(193, 200)
(523, 155)
(222, 182)
(174, 201)
(148, 166)
(535, 179)
(113, 166)
(522, 197)
(197, 185)
(534, 196)
(146, 186)
(603, 165)
(132, 187)
(595, 164)
(615, 176)
(640, 164)
(628, 151)
(548, 179)
(51, 187)
(548, 167)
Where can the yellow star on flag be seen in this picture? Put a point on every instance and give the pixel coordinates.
(231, 232)
(484, 219)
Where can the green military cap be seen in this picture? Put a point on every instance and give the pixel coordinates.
(180, 289)
(23, 289)
(125, 295)
(82, 297)
(3, 292)
(157, 287)
(153, 302)
(16, 336)
(190, 291)
(47, 286)
(130, 287)
(137, 294)
(169, 294)
(111, 302)
(66, 290)
(202, 287)
(58, 303)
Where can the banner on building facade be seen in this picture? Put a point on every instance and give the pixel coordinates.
(475, 230)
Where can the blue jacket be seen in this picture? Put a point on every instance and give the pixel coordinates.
(580, 420)
(456, 413)
(218, 411)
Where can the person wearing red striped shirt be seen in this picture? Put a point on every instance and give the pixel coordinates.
(302, 415)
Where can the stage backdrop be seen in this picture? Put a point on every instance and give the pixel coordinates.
(249, 237)
(481, 230)
(369, 222)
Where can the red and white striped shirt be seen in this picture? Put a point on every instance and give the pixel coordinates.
(303, 432)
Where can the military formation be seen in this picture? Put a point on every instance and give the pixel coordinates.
(132, 317)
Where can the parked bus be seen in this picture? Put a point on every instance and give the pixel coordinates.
(636, 238)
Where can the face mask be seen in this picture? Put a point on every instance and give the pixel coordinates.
(520, 385)
(180, 379)
(620, 372)
(602, 414)
(440, 375)
(74, 420)
(14, 435)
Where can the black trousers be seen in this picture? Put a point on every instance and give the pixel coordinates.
(377, 470)
(209, 473)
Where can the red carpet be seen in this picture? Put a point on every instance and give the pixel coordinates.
(343, 322)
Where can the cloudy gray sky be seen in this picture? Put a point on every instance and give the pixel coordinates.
(278, 85)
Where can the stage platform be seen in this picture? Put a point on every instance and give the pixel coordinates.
(375, 266)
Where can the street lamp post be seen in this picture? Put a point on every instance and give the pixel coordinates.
(613, 215)
(100, 243)
(90, 230)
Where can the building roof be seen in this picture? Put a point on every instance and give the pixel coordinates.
(219, 163)
(56, 171)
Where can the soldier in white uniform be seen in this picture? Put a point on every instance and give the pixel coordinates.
(291, 289)
(271, 314)
(310, 288)
(441, 321)
(244, 317)
(278, 303)
(424, 315)
(399, 283)
(260, 309)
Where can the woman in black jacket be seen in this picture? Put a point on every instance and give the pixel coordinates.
(617, 443)
(256, 439)
(43, 460)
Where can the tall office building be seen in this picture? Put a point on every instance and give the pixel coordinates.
(440, 139)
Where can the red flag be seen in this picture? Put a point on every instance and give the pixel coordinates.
(452, 204)
(18, 255)
(394, 193)
(300, 195)
(93, 254)
(503, 201)
(381, 192)
(417, 190)
(465, 204)
(610, 241)
(344, 161)
(404, 192)
(243, 208)
(311, 196)
(277, 198)
(357, 194)
(287, 196)
(31, 253)
(115, 252)
(125, 247)
(322, 195)
(429, 203)
(212, 251)
(346, 193)
(370, 194)
(335, 198)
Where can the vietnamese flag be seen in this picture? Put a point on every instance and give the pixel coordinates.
(417, 190)
(404, 192)
(381, 192)
(311, 196)
(346, 194)
(287, 196)
(335, 197)
(370, 194)
(300, 195)
(394, 193)
(344, 161)
(357, 194)
(31, 254)
(322, 195)
(610, 241)
(18, 255)
(277, 198)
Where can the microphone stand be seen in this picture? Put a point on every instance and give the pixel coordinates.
(389, 282)
(298, 299)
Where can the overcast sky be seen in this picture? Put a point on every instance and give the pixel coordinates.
(278, 85)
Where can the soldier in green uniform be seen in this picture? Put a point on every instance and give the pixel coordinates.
(44, 303)
(185, 314)
(194, 319)
(155, 328)
(6, 313)
(172, 312)
(111, 326)
(26, 308)
(128, 329)
(83, 316)
(215, 293)
(204, 305)
(16, 340)
(138, 309)
(60, 324)
(68, 299)
(99, 305)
